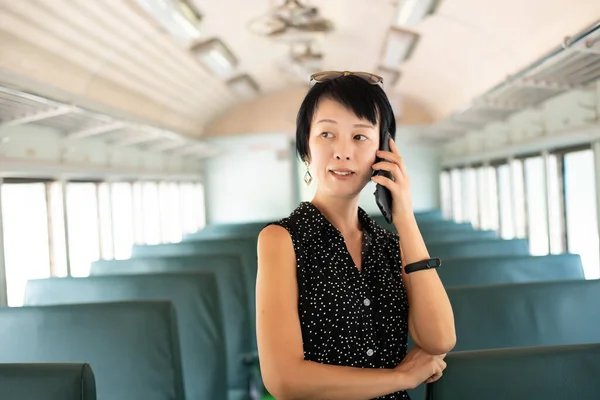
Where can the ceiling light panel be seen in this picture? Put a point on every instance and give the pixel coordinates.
(178, 17)
(216, 57)
(411, 12)
(244, 87)
(399, 46)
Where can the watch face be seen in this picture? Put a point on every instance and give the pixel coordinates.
(434, 262)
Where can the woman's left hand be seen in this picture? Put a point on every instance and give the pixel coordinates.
(400, 186)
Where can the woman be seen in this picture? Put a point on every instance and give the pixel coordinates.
(334, 301)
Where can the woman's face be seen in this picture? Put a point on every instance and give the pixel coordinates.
(342, 149)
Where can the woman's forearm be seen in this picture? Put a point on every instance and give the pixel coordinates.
(314, 381)
(431, 314)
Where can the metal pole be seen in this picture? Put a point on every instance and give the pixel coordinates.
(545, 158)
(161, 190)
(3, 286)
(50, 227)
(513, 197)
(111, 218)
(63, 184)
(99, 222)
(596, 149)
(134, 219)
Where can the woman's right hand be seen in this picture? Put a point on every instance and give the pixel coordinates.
(418, 367)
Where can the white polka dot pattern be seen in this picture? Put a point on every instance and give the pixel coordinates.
(349, 317)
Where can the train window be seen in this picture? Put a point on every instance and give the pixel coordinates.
(446, 194)
(535, 193)
(505, 193)
(151, 213)
(456, 186)
(471, 206)
(481, 197)
(488, 192)
(83, 221)
(580, 207)
(189, 207)
(105, 220)
(519, 210)
(122, 204)
(200, 205)
(26, 245)
(56, 227)
(170, 212)
(555, 197)
(137, 200)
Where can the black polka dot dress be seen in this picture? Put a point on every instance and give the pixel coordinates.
(349, 317)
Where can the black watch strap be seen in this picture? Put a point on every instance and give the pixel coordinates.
(421, 265)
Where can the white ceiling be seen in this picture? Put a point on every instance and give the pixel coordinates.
(106, 54)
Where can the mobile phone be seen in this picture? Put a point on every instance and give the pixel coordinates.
(383, 197)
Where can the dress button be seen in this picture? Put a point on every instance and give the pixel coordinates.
(370, 352)
(367, 302)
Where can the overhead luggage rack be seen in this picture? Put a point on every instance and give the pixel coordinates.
(574, 64)
(76, 123)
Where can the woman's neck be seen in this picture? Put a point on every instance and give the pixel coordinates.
(342, 213)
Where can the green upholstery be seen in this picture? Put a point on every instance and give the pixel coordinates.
(549, 373)
(431, 227)
(479, 248)
(521, 315)
(47, 381)
(196, 300)
(526, 314)
(427, 215)
(133, 347)
(223, 231)
(451, 235)
(233, 298)
(252, 229)
(420, 216)
(245, 248)
(510, 269)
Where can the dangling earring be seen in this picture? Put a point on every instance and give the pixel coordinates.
(307, 175)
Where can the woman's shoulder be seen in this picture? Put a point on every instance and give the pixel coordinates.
(280, 231)
(297, 220)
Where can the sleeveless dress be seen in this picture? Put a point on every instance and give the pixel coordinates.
(349, 317)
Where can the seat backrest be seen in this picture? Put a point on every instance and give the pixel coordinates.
(553, 373)
(510, 269)
(227, 231)
(526, 314)
(479, 248)
(239, 335)
(47, 381)
(428, 226)
(195, 297)
(449, 235)
(244, 248)
(133, 347)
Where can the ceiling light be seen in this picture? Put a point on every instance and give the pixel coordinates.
(411, 12)
(216, 57)
(399, 45)
(178, 17)
(243, 86)
(304, 55)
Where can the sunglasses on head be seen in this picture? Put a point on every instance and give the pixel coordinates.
(329, 75)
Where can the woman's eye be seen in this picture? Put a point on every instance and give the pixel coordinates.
(324, 134)
(361, 136)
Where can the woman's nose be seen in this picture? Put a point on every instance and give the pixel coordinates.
(342, 151)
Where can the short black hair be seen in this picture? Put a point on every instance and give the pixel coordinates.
(366, 100)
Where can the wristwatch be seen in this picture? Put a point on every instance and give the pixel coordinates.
(424, 264)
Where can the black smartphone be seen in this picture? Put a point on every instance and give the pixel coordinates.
(383, 197)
